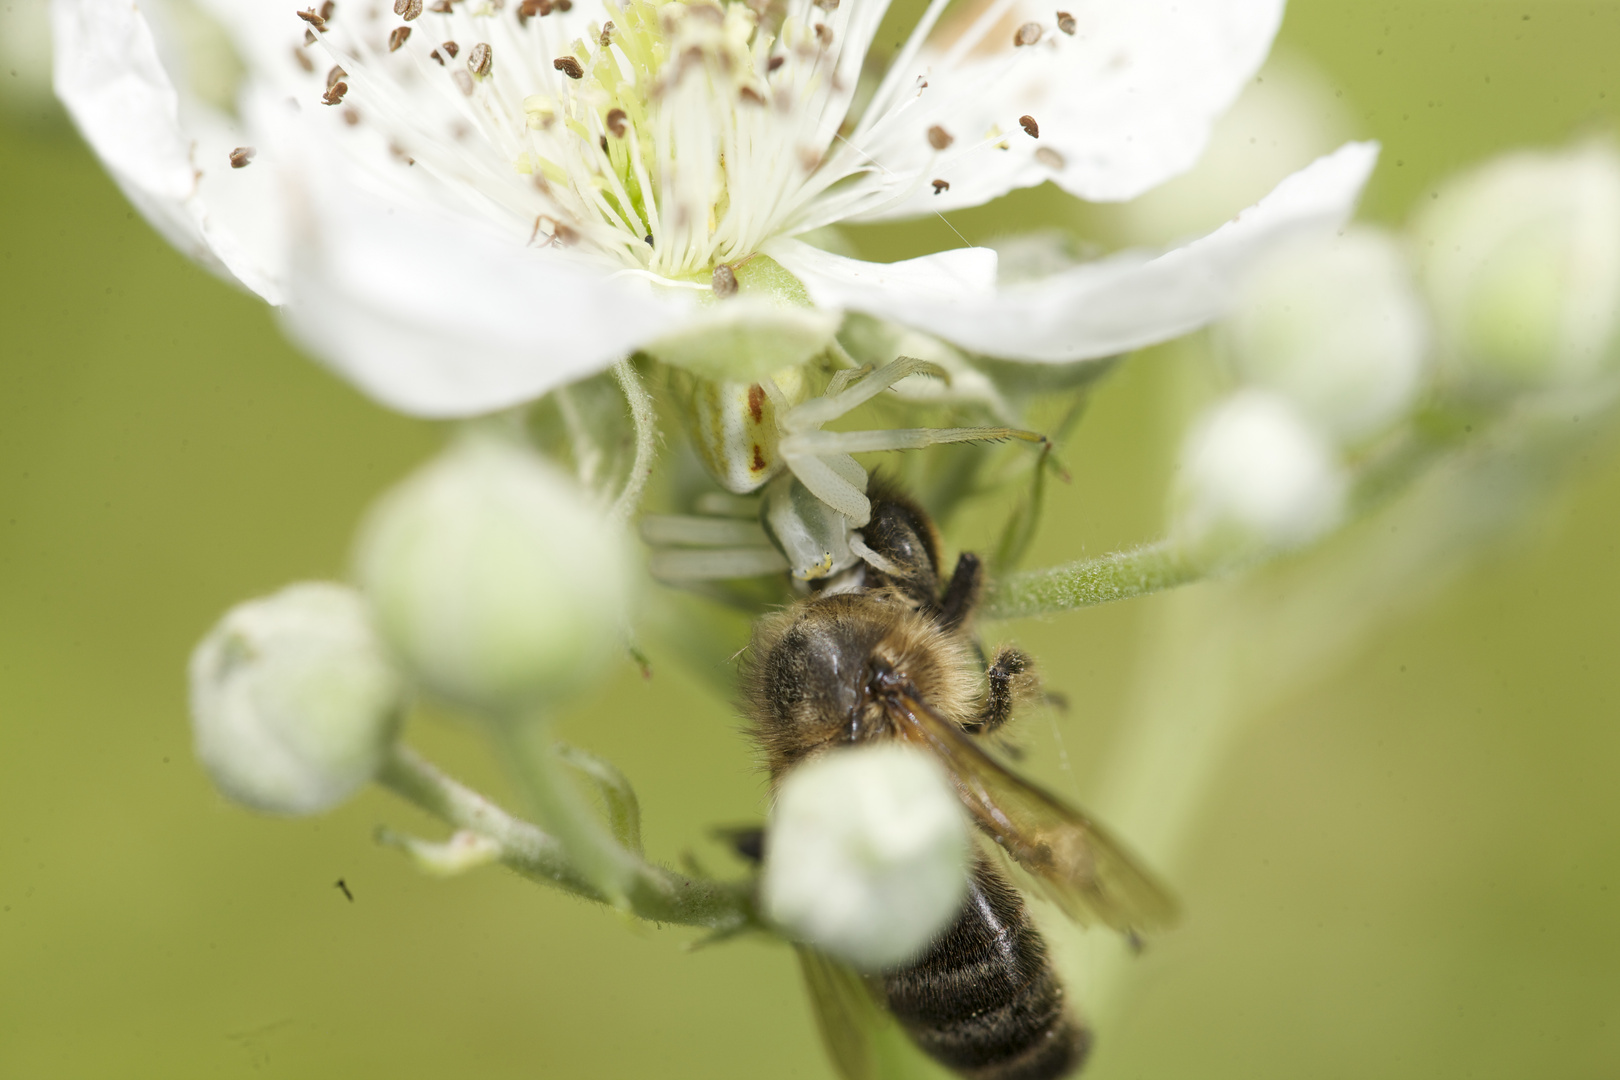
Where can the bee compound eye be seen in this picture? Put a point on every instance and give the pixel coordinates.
(815, 674)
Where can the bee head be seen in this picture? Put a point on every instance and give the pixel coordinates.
(819, 671)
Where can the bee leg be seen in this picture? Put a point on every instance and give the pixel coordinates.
(1011, 678)
(902, 534)
(963, 591)
(748, 841)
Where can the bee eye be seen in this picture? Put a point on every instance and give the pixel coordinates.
(816, 671)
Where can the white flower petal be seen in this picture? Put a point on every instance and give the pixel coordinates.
(441, 317)
(266, 35)
(162, 147)
(437, 320)
(1123, 103)
(745, 338)
(836, 281)
(1100, 308)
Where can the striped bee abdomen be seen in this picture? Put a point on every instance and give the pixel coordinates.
(984, 1000)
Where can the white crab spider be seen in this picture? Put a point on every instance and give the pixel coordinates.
(757, 435)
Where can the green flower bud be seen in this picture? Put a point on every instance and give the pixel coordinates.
(494, 579)
(1255, 478)
(1521, 260)
(1335, 325)
(867, 855)
(293, 700)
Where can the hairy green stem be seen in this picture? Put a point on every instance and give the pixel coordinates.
(651, 892)
(523, 846)
(645, 417)
(586, 842)
(623, 808)
(1088, 582)
(587, 455)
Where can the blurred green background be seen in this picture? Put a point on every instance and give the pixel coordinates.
(1411, 869)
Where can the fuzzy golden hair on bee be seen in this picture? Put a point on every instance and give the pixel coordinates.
(891, 657)
(804, 684)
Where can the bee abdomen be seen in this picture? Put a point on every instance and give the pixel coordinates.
(984, 1000)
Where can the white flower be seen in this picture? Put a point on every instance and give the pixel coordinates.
(493, 579)
(1255, 478)
(1287, 116)
(468, 225)
(293, 702)
(1334, 324)
(867, 854)
(1522, 263)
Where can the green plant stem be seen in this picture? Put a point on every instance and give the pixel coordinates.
(644, 415)
(651, 892)
(586, 842)
(623, 808)
(1089, 582)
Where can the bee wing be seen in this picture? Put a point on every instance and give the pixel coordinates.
(863, 1039)
(1083, 869)
(847, 1015)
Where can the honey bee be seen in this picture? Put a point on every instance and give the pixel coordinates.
(890, 656)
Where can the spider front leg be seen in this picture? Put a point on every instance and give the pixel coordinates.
(851, 389)
(836, 479)
(821, 461)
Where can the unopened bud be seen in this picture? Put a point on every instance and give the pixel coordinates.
(1521, 260)
(293, 700)
(1335, 325)
(494, 579)
(867, 855)
(1254, 478)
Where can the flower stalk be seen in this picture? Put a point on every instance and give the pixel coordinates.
(586, 842)
(650, 892)
(644, 415)
(1089, 582)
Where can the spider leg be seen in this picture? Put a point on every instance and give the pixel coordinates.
(689, 548)
(678, 566)
(812, 414)
(836, 480)
(843, 378)
(862, 442)
(696, 530)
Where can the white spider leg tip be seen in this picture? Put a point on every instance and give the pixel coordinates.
(870, 557)
(824, 483)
